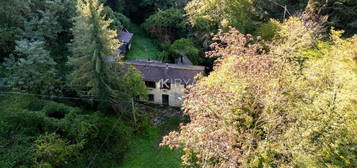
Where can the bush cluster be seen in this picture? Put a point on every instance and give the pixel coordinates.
(38, 133)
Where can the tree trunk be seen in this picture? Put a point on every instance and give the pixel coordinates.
(315, 7)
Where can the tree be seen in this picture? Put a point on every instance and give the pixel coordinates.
(266, 9)
(119, 20)
(187, 48)
(48, 21)
(139, 10)
(34, 71)
(342, 13)
(267, 108)
(165, 24)
(93, 43)
(116, 5)
(11, 19)
(163, 4)
(208, 15)
(134, 84)
(53, 151)
(44, 133)
(268, 30)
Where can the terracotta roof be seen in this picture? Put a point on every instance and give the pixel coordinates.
(125, 36)
(173, 73)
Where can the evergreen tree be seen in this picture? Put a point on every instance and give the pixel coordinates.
(93, 43)
(34, 71)
(11, 19)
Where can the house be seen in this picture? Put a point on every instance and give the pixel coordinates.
(125, 37)
(166, 82)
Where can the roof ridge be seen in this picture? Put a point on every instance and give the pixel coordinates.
(164, 65)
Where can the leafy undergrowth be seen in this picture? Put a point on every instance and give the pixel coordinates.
(142, 46)
(40, 133)
(144, 151)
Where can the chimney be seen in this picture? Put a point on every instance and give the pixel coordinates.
(166, 71)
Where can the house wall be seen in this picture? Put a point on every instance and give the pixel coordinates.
(176, 92)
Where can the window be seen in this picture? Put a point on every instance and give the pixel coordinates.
(165, 99)
(151, 97)
(150, 84)
(166, 85)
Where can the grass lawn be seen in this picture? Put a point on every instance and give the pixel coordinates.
(142, 46)
(144, 151)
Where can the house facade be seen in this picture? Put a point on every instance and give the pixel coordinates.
(166, 82)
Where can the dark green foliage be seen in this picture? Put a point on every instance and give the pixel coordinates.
(139, 10)
(268, 30)
(186, 47)
(32, 134)
(11, 20)
(165, 24)
(163, 4)
(93, 43)
(34, 71)
(341, 14)
(36, 21)
(117, 5)
(265, 9)
(135, 87)
(8, 35)
(52, 151)
(163, 56)
(119, 21)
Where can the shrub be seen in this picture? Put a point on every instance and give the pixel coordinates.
(38, 138)
(267, 31)
(186, 47)
(164, 24)
(53, 151)
(35, 72)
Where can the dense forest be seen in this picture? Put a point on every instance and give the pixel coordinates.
(280, 88)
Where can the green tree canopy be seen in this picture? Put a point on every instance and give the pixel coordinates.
(187, 48)
(92, 45)
(209, 15)
(34, 71)
(165, 24)
(341, 13)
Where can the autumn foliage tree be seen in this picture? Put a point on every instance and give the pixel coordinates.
(275, 107)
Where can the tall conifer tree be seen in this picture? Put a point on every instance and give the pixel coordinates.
(93, 43)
